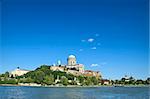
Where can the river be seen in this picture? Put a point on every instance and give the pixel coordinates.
(20, 92)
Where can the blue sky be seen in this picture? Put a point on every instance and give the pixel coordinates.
(110, 36)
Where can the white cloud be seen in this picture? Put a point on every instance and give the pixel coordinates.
(90, 40)
(94, 48)
(94, 65)
(101, 64)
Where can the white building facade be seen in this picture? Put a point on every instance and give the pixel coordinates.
(18, 72)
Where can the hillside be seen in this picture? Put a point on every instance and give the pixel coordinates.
(43, 75)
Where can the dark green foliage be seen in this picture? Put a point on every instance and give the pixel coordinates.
(43, 75)
(6, 74)
(81, 79)
(64, 80)
(131, 81)
(39, 76)
(49, 80)
(8, 81)
(73, 83)
(94, 80)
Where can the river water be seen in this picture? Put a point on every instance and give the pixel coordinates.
(19, 92)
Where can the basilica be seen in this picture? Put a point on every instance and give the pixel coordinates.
(74, 68)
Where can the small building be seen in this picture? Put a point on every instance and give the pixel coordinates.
(126, 78)
(91, 73)
(57, 68)
(74, 72)
(80, 68)
(18, 72)
(105, 82)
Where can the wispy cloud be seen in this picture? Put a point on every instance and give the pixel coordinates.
(90, 40)
(94, 65)
(94, 48)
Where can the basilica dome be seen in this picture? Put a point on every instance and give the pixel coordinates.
(71, 56)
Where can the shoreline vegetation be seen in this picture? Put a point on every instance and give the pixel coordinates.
(75, 85)
(44, 77)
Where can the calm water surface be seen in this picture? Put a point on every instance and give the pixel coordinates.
(17, 92)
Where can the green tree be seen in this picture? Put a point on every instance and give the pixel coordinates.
(94, 80)
(112, 82)
(64, 80)
(88, 81)
(10, 81)
(116, 81)
(6, 75)
(29, 80)
(49, 79)
(39, 76)
(139, 81)
(81, 79)
(147, 81)
(73, 82)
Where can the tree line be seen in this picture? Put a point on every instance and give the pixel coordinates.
(43, 75)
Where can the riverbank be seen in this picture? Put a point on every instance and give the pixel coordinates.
(30, 85)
